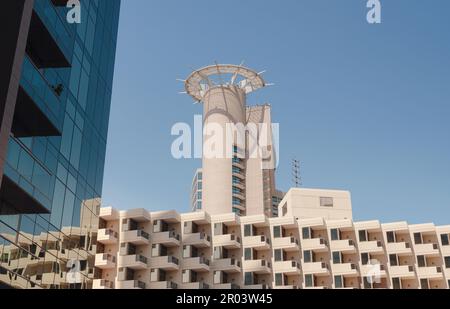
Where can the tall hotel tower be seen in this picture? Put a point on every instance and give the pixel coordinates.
(238, 153)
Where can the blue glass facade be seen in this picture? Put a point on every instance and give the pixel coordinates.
(48, 238)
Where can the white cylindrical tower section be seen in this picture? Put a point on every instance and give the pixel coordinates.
(223, 106)
(223, 90)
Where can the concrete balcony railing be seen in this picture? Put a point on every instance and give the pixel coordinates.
(136, 261)
(162, 285)
(105, 261)
(286, 243)
(227, 265)
(404, 271)
(108, 213)
(369, 270)
(257, 287)
(168, 263)
(131, 284)
(430, 272)
(286, 287)
(401, 248)
(135, 237)
(286, 267)
(345, 245)
(198, 240)
(259, 267)
(102, 284)
(195, 286)
(348, 269)
(427, 249)
(257, 242)
(315, 268)
(196, 263)
(107, 236)
(371, 246)
(168, 239)
(228, 241)
(226, 286)
(315, 244)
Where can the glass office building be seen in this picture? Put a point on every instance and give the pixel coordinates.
(55, 95)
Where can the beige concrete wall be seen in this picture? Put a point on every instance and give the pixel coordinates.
(305, 203)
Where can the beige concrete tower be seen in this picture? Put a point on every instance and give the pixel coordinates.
(223, 90)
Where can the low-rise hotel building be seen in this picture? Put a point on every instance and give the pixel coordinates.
(313, 244)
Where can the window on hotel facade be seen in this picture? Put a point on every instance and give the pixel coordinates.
(365, 258)
(248, 279)
(447, 261)
(278, 255)
(338, 282)
(393, 259)
(308, 256)
(337, 257)
(326, 202)
(306, 233)
(445, 240)
(248, 254)
(248, 230)
(309, 281)
(277, 231)
(367, 282)
(284, 209)
(396, 283)
(335, 235)
(363, 235)
(390, 237)
(418, 238)
(421, 261)
(278, 279)
(424, 284)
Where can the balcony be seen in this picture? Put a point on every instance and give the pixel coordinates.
(405, 272)
(288, 244)
(227, 265)
(168, 239)
(228, 241)
(198, 240)
(108, 214)
(105, 261)
(131, 284)
(136, 261)
(163, 285)
(196, 263)
(348, 269)
(427, 249)
(195, 286)
(49, 40)
(287, 267)
(259, 267)
(399, 248)
(345, 245)
(257, 242)
(102, 284)
(135, 237)
(315, 268)
(286, 287)
(371, 246)
(226, 286)
(257, 287)
(167, 263)
(430, 272)
(315, 244)
(107, 236)
(373, 270)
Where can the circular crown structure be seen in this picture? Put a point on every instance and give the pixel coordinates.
(202, 80)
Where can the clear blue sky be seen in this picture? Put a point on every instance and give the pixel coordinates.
(364, 107)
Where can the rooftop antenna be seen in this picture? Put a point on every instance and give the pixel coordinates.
(296, 176)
